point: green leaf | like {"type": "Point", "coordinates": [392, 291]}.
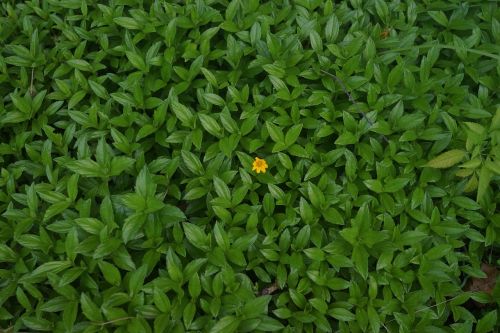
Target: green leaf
{"type": "Point", "coordinates": [76, 98]}
{"type": "Point", "coordinates": [86, 168]}
{"type": "Point", "coordinates": [293, 134]}
{"type": "Point", "coordinates": [276, 192]}
{"type": "Point", "coordinates": [274, 70]}
{"type": "Point", "coordinates": [120, 164]}
{"type": "Point", "coordinates": [374, 185]}
{"type": "Point", "coordinates": [298, 151]}
{"type": "Point", "coordinates": [192, 162]}
{"type": "Point", "coordinates": [221, 188]}
{"type": "Point", "coordinates": [144, 184]}
{"type": "Point", "coordinates": [209, 76]}
{"type": "Point", "coordinates": [275, 132]}
{"type": "Point", "coordinates": [255, 307]}
{"type": "Point", "coordinates": [195, 193]}
{"type": "Point", "coordinates": [214, 99]}
{"type": "Point", "coordinates": [438, 251]}
{"type": "Point", "coordinates": [316, 42]}
{"type": "Point", "coordinates": [23, 299]}
{"type": "Point", "coordinates": [210, 125]}
{"type": "Point", "coordinates": [346, 138]}
{"type": "Point", "coordinates": [315, 195]}
{"type": "Point", "coordinates": [89, 309]}
{"type": "Point", "coordinates": [487, 323]}
{"type": "Point", "coordinates": [182, 113]}
{"type": "Point", "coordinates": [188, 314]}
{"type": "Point", "coordinates": [81, 65]}
{"type": "Point", "coordinates": [227, 324]}
{"type": "Point", "coordinates": [196, 236]}
{"type": "Point", "coordinates": [394, 185]}
{"type": "Point", "coordinates": [194, 286]}
{"type": "Point", "coordinates": [305, 210]}
{"type": "Point", "coordinates": [172, 214]}
{"type": "Point", "coordinates": [106, 248]}
{"type": "Point", "coordinates": [137, 279]}
{"type": "Point", "coordinates": [89, 224]}
{"type": "Point", "coordinates": [439, 17]}
{"type": "Point", "coordinates": [332, 215]}
{"type": "Point", "coordinates": [69, 314]}
{"type": "Point", "coordinates": [7, 254]}
{"type": "Point", "coordinates": [136, 60]}
{"type": "Point", "coordinates": [285, 161]}
{"type": "Point", "coordinates": [466, 203]}
{"type": "Point", "coordinates": [382, 10]}
{"type": "Point", "coordinates": [98, 89]}
{"type": "Point", "coordinates": [341, 314]}
{"type": "Point", "coordinates": [485, 176]}
{"type": "Point", "coordinates": [395, 75]}
{"type": "Point", "coordinates": [19, 61]}
{"type": "Point", "coordinates": [37, 324]}
{"type": "Point", "coordinates": [56, 209]}
{"type": "Point", "coordinates": [360, 260]}
{"type": "Point", "coordinates": [127, 22]}
{"type": "Point", "coordinates": [110, 272]}
{"type": "Point", "coordinates": [161, 301]}
{"type": "Point", "coordinates": [123, 98]}
{"type": "Point", "coordinates": [221, 237]}
{"type": "Point", "coordinates": [56, 304]}
{"type": "Point", "coordinates": [174, 271]}
{"type": "Point", "coordinates": [302, 237]}
{"type": "Point", "coordinates": [132, 226]}
{"type": "Point", "coordinates": [21, 103]}
{"type": "Point", "coordinates": [268, 324]}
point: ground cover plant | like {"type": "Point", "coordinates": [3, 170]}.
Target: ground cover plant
{"type": "Point", "coordinates": [249, 166]}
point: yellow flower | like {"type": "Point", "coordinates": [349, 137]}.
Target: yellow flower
{"type": "Point", "coordinates": [259, 165]}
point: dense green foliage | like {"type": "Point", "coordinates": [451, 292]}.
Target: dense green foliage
{"type": "Point", "coordinates": [128, 131]}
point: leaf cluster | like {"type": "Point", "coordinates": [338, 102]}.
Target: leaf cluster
{"type": "Point", "coordinates": [127, 134]}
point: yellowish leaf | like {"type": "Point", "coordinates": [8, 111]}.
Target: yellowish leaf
{"type": "Point", "coordinates": [446, 159]}
{"type": "Point", "coordinates": [471, 184]}
{"type": "Point", "coordinates": [464, 173]}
